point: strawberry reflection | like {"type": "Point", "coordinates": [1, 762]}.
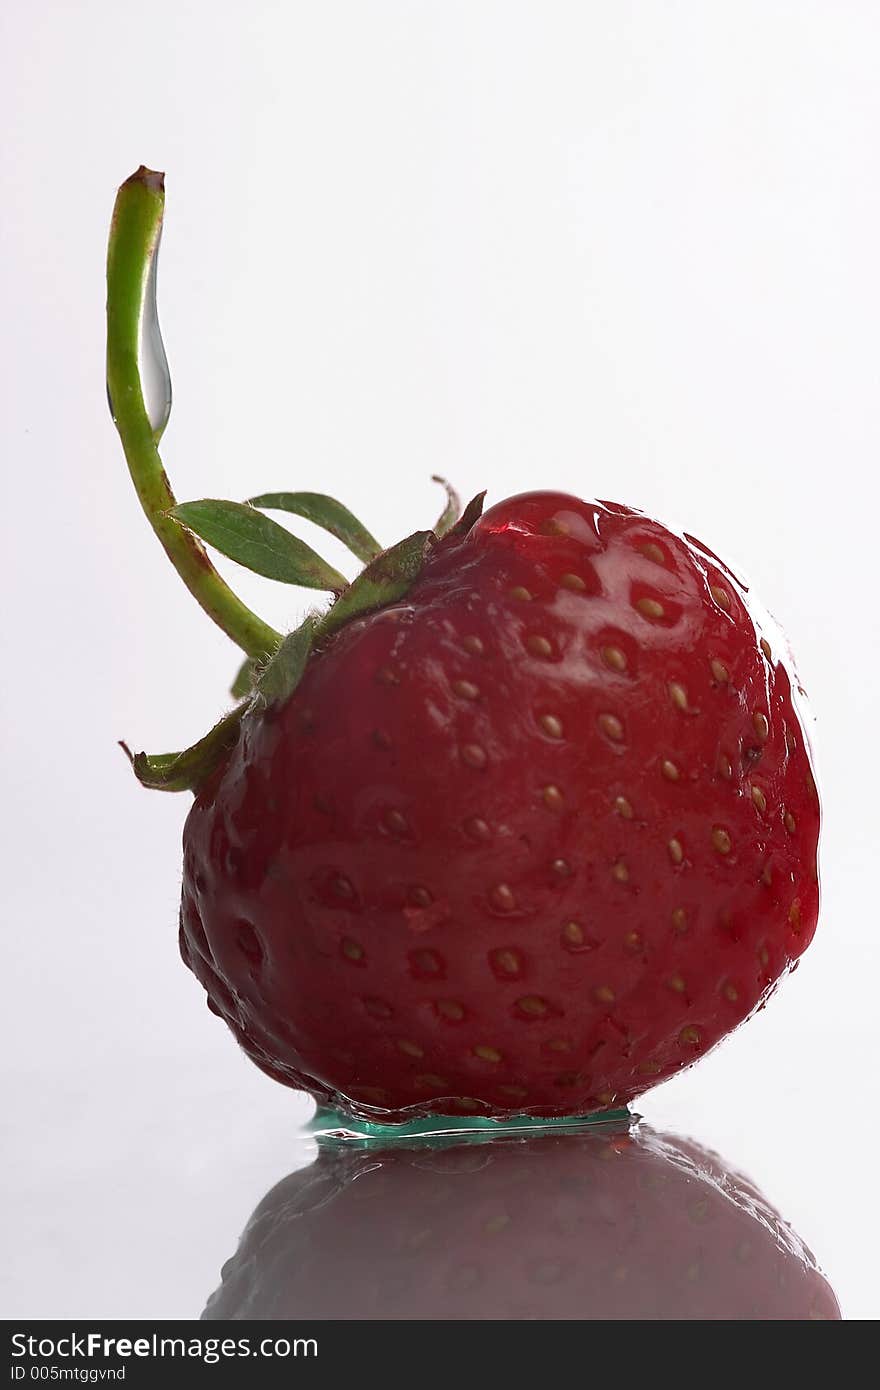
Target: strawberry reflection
{"type": "Point", "coordinates": [616, 1223]}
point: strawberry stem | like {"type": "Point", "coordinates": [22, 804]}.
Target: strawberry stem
{"type": "Point", "coordinates": [131, 262]}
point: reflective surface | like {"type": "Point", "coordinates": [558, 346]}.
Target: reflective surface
{"type": "Point", "coordinates": [613, 1222]}
{"type": "Point", "coordinates": [129, 1190]}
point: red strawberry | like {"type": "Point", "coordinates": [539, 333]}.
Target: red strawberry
{"type": "Point", "coordinates": [587, 1226]}
{"type": "Point", "coordinates": [531, 841]}
{"type": "Point", "coordinates": [525, 823]}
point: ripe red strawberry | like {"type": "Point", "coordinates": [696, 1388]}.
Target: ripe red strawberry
{"type": "Point", "coordinates": [586, 1226]}
{"type": "Point", "coordinates": [524, 823]}
{"type": "Point", "coordinates": [532, 840]}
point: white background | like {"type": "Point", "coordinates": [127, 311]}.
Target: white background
{"type": "Point", "coordinates": [625, 249]}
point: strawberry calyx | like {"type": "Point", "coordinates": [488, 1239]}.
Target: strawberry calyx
{"type": "Point", "coordinates": [274, 664]}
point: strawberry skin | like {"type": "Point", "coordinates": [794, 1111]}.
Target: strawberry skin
{"type": "Point", "coordinates": [583, 1226]}
{"type": "Point", "coordinates": [531, 840]}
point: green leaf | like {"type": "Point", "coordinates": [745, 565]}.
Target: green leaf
{"type": "Point", "coordinates": [245, 679]}
{"type": "Point", "coordinates": [284, 672]}
{"type": "Point", "coordinates": [471, 514]}
{"type": "Point", "coordinates": [325, 512]}
{"type": "Point", "coordinates": [385, 579]}
{"type": "Point", "coordinates": [258, 543]}
{"type": "Point", "coordinates": [186, 771]}
{"type": "Point", "coordinates": [451, 512]}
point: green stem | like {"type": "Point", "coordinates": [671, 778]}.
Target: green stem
{"type": "Point", "coordinates": [134, 245]}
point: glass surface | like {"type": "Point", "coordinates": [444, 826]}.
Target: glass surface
{"type": "Point", "coordinates": [133, 1187]}
{"type": "Point", "coordinates": [609, 1221]}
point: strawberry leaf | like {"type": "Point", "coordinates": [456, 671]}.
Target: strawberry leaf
{"type": "Point", "coordinates": [186, 771]}
{"type": "Point", "coordinates": [245, 679]}
{"type": "Point", "coordinates": [327, 513]}
{"type": "Point", "coordinates": [471, 514]}
{"type": "Point", "coordinates": [284, 672]}
{"type": "Point", "coordinates": [385, 579]}
{"type": "Point", "coordinates": [451, 512]}
{"type": "Point", "coordinates": [258, 543]}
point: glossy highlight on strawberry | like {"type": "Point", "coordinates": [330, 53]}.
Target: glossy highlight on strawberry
{"type": "Point", "coordinates": [522, 823]}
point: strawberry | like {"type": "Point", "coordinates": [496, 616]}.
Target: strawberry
{"type": "Point", "coordinates": [608, 1225]}
{"type": "Point", "coordinates": [524, 823]}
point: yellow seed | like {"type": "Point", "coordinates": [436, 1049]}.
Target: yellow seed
{"type": "Point", "coordinates": [677, 984]}
{"type": "Point", "coordinates": [760, 725]}
{"type": "Point", "coordinates": [496, 1223]}
{"type": "Point", "coordinates": [378, 1008]}
{"type": "Point", "coordinates": [763, 955]}
{"type": "Point", "coordinates": [428, 962]}
{"type": "Point", "coordinates": [532, 1004]}
{"type": "Point", "coordinates": [652, 551]}
{"type": "Point", "coordinates": [650, 608]}
{"type": "Point", "coordinates": [539, 646]}
{"type": "Point", "coordinates": [604, 994]}
{"type": "Point", "coordinates": [765, 648]}
{"type": "Point", "coordinates": [724, 766]}
{"type": "Point", "coordinates": [473, 645]}
{"type": "Point", "coordinates": [554, 527]}
{"type": "Point", "coordinates": [466, 690]}
{"type": "Point", "coordinates": [572, 581]}
{"type": "Point", "coordinates": [611, 727]}
{"type": "Point", "coordinates": [790, 823]}
{"type": "Point", "coordinates": [558, 1045]}
{"type": "Point", "coordinates": [669, 770]}
{"type": "Point", "coordinates": [794, 915]}
{"type": "Point", "coordinates": [352, 950]}
{"type": "Point", "coordinates": [620, 872]}
{"type": "Point", "coordinates": [767, 875]}
{"type": "Point", "coordinates": [551, 725]}
{"type": "Point", "coordinates": [474, 755]}
{"type": "Point", "coordinates": [719, 670]}
{"type": "Point", "coordinates": [553, 798]}
{"type": "Point", "coordinates": [573, 934]}
{"type": "Point", "coordinates": [730, 992]}
{"type": "Point", "coordinates": [513, 1092]}
{"type": "Point", "coordinates": [721, 840]}
{"type": "Point", "coordinates": [518, 591]}
{"type": "Point", "coordinates": [385, 676]}
{"type": "Point", "coordinates": [502, 897]}
{"type": "Point", "coordinates": [561, 868]}
{"type": "Point", "coordinates": [396, 822]}
{"type": "Point", "coordinates": [451, 1009]}
{"type": "Point", "coordinates": [690, 1036]}
{"type": "Point", "coordinates": [721, 597]}
{"type": "Point", "coordinates": [648, 1068]}
{"type": "Point", "coordinates": [410, 1049]}
{"type": "Point", "coordinates": [678, 695]}
{"type": "Point", "coordinates": [487, 1054]}
{"type": "Point", "coordinates": [506, 961]}
{"type": "Point", "coordinates": [615, 658]}
{"type": "Point", "coordinates": [476, 828]}
{"type": "Point", "coordinates": [632, 941]}
{"type": "Point", "coordinates": [679, 920]}
{"type": "Point", "coordinates": [676, 853]}
{"type": "Point", "coordinates": [759, 798]}
{"type": "Point", "coordinates": [623, 807]}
